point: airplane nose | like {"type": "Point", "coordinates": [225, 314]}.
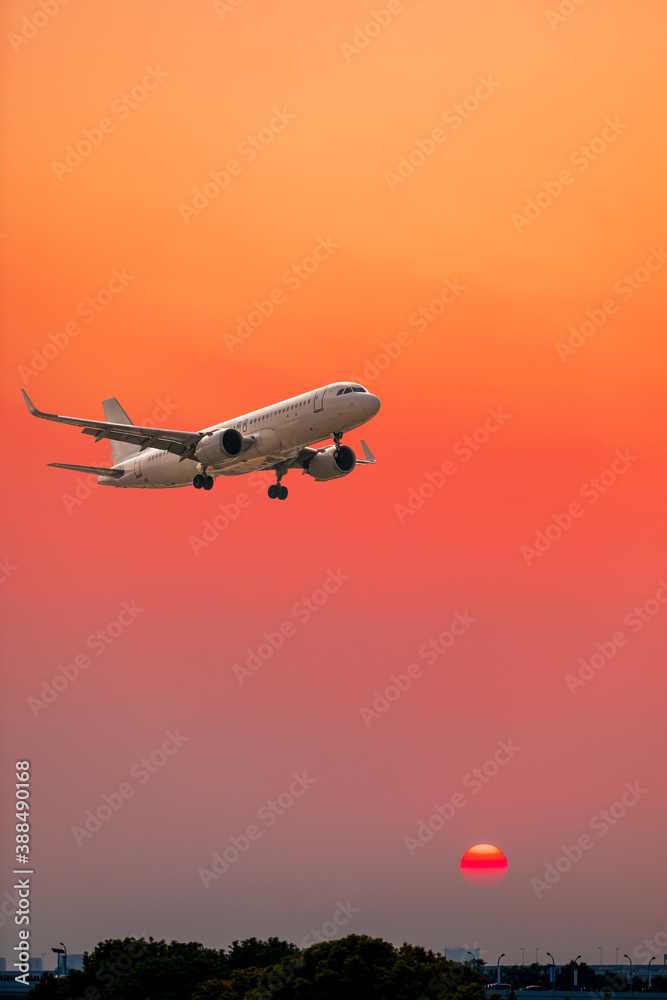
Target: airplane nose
{"type": "Point", "coordinates": [374, 403]}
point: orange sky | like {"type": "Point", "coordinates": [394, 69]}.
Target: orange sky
{"type": "Point", "coordinates": [541, 202]}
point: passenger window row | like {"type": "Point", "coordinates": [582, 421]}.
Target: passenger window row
{"type": "Point", "coordinates": [284, 409]}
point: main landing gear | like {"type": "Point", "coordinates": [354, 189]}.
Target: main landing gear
{"type": "Point", "coordinates": [276, 491]}
{"type": "Point", "coordinates": [203, 482]}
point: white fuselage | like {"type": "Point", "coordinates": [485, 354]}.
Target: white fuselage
{"type": "Point", "coordinates": [271, 435]}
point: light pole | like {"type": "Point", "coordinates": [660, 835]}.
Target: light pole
{"type": "Point", "coordinates": [523, 958]}
{"type": "Point", "coordinates": [576, 970]}
{"type": "Point", "coordinates": [552, 971]}
{"type": "Point", "coordinates": [498, 968]}
{"type": "Point", "coordinates": [630, 961]}
{"type": "Point", "coordinates": [58, 952]}
{"type": "Point", "coordinates": [474, 959]}
{"type": "Point", "coordinates": [649, 972]}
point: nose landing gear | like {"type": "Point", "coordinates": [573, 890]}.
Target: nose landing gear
{"type": "Point", "coordinates": [337, 435]}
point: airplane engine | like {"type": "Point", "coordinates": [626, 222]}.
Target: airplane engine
{"type": "Point", "coordinates": [217, 447]}
{"type": "Point", "coordinates": [325, 465]}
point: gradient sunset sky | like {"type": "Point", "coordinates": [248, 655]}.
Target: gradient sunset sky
{"type": "Point", "coordinates": [497, 159]}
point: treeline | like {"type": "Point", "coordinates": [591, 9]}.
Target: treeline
{"type": "Point", "coordinates": [356, 966]}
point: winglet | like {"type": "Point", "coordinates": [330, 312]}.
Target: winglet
{"type": "Point", "coordinates": [368, 455]}
{"type": "Point", "coordinates": [29, 403]}
{"type": "Point", "coordinates": [368, 458]}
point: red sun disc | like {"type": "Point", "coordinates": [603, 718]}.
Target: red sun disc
{"type": "Point", "coordinates": [484, 864]}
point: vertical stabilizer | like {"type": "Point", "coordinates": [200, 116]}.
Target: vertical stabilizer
{"type": "Point", "coordinates": [115, 414]}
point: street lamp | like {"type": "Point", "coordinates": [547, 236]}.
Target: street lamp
{"type": "Point", "coordinates": [649, 972]}
{"type": "Point", "coordinates": [553, 971]}
{"type": "Point", "coordinates": [576, 970]}
{"type": "Point", "coordinates": [630, 961]}
{"type": "Point", "coordinates": [498, 968]}
{"type": "Point", "coordinates": [474, 959]}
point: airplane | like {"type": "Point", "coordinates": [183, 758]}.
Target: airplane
{"type": "Point", "coordinates": [275, 438]}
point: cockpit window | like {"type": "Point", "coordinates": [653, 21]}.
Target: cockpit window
{"type": "Point", "coordinates": [358, 388]}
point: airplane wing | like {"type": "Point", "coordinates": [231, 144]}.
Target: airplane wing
{"type": "Point", "coordinates": [179, 442]}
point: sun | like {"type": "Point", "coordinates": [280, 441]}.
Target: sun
{"type": "Point", "coordinates": [484, 864]}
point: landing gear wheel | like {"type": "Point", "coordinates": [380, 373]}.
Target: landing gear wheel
{"type": "Point", "coordinates": [276, 491]}
{"type": "Point", "coordinates": [198, 482]}
{"type": "Point", "coordinates": [208, 482]}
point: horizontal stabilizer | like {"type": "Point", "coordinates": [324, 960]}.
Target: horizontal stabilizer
{"type": "Point", "coordinates": [114, 473]}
